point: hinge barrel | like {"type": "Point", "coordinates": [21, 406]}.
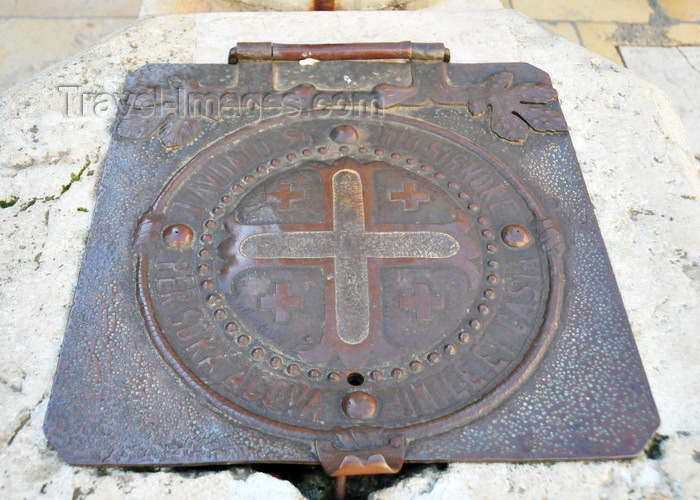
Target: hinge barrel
{"type": "Point", "coordinates": [267, 51]}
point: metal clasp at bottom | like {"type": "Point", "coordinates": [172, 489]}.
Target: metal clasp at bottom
{"type": "Point", "coordinates": [359, 454]}
{"type": "Point", "coordinates": [338, 462]}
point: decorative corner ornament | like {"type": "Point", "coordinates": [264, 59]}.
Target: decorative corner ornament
{"type": "Point", "coordinates": [512, 108]}
{"type": "Point", "coordinates": [324, 267]}
{"type": "Point", "coordinates": [175, 111]}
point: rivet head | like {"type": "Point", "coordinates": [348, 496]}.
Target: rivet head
{"type": "Point", "coordinates": [396, 442]}
{"type": "Point", "coordinates": [359, 405]}
{"type": "Point", "coordinates": [344, 133]}
{"type": "Point", "coordinates": [516, 236]}
{"type": "Point", "coordinates": [178, 235]}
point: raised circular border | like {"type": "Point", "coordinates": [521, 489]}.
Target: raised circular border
{"type": "Point", "coordinates": [415, 365]}
{"type": "Point", "coordinates": [552, 246]}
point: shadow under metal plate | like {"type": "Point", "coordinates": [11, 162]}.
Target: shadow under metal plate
{"type": "Point", "coordinates": [367, 257]}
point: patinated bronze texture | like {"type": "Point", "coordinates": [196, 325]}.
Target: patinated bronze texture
{"type": "Point", "coordinates": [347, 262]}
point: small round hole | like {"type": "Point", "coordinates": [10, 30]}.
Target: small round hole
{"type": "Point", "coordinates": [356, 379]}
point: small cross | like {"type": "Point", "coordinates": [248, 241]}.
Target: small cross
{"type": "Point", "coordinates": [409, 196]}
{"type": "Point", "coordinates": [281, 302]}
{"type": "Point", "coordinates": [285, 196]}
{"type": "Point", "coordinates": [422, 301]}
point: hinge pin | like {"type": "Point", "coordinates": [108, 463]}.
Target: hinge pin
{"type": "Point", "coordinates": [267, 51]}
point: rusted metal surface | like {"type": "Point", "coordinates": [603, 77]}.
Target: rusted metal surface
{"type": "Point", "coordinates": [263, 51]}
{"type": "Point", "coordinates": [324, 4]}
{"type": "Point", "coordinates": [354, 263]}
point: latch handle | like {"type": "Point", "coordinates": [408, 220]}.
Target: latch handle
{"type": "Point", "coordinates": [267, 51]}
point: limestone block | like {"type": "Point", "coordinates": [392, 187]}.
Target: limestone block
{"type": "Point", "coordinates": [635, 158]}
{"type": "Point", "coordinates": [674, 69]}
{"type": "Point", "coordinates": [162, 7]}
{"type": "Point", "coordinates": [24, 49]}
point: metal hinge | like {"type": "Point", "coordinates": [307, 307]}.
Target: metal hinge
{"type": "Point", "coordinates": [267, 51]}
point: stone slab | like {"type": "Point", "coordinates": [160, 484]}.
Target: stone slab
{"type": "Point", "coordinates": [71, 8]}
{"type": "Point", "coordinates": [684, 10]}
{"type": "Point", "coordinates": [632, 148]}
{"type": "Point", "coordinates": [565, 29]}
{"type": "Point", "coordinates": [598, 38]}
{"type": "Point", "coordinates": [684, 34]}
{"type": "Point", "coordinates": [677, 71]}
{"type": "Point", "coordinates": [163, 7]}
{"type": "Point", "coordinates": [25, 49]}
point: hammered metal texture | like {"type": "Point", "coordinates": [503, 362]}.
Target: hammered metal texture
{"type": "Point", "coordinates": [271, 277]}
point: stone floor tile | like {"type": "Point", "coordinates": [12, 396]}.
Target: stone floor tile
{"type": "Point", "coordinates": [628, 11]}
{"type": "Point", "coordinates": [677, 71]}
{"type": "Point", "coordinates": [25, 48]}
{"type": "Point", "coordinates": [567, 30]}
{"type": "Point", "coordinates": [685, 33]}
{"type": "Point", "coordinates": [597, 37]}
{"type": "Point", "coordinates": [683, 10]}
{"type": "Point", "coordinates": [70, 8]}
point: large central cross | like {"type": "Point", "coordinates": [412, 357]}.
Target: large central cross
{"type": "Point", "coordinates": [350, 245]}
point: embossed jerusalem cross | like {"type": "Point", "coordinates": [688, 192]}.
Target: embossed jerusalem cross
{"type": "Point", "coordinates": [350, 245]}
{"type": "Point", "coordinates": [419, 213]}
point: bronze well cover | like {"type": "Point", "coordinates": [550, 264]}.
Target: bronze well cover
{"type": "Point", "coordinates": [305, 263]}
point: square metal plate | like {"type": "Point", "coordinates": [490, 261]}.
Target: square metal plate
{"type": "Point", "coordinates": [343, 261]}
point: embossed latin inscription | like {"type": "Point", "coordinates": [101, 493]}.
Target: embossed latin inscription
{"type": "Point", "coordinates": [405, 281]}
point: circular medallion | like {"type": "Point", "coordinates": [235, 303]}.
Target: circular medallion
{"type": "Point", "coordinates": [330, 272]}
